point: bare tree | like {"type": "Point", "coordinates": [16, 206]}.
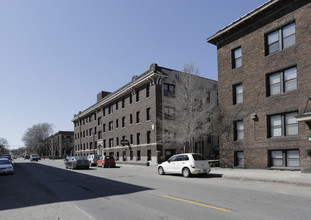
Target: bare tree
{"type": "Point", "coordinates": [4, 146]}
{"type": "Point", "coordinates": [192, 112]}
{"type": "Point", "coordinates": [36, 138]}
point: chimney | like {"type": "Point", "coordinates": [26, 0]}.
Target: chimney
{"type": "Point", "coordinates": [102, 95]}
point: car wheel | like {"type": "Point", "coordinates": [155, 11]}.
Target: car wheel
{"type": "Point", "coordinates": [186, 172]}
{"type": "Point", "coordinates": [161, 170]}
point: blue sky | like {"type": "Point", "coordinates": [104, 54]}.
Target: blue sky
{"type": "Point", "coordinates": [56, 55]}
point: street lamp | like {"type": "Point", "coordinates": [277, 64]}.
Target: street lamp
{"type": "Point", "coordinates": [94, 142]}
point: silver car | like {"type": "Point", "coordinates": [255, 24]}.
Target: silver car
{"type": "Point", "coordinates": [6, 166]}
{"type": "Point", "coordinates": [185, 164]}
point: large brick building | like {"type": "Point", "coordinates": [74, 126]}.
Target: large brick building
{"type": "Point", "coordinates": [141, 113]}
{"type": "Point", "coordinates": [264, 69]}
{"type": "Point", "coordinates": [61, 144]}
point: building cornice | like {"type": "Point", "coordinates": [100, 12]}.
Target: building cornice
{"type": "Point", "coordinates": [152, 76]}
{"type": "Point", "coordinates": [214, 39]}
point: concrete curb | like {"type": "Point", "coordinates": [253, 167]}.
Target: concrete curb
{"type": "Point", "coordinates": [275, 176]}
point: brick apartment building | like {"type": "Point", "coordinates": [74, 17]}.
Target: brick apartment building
{"type": "Point", "coordinates": [138, 113]}
{"type": "Point", "coordinates": [264, 69]}
{"type": "Point", "coordinates": [62, 144]}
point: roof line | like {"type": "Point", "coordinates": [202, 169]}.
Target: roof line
{"type": "Point", "coordinates": [242, 19]}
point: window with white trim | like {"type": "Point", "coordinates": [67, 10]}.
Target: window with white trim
{"type": "Point", "coordinates": [281, 39]}
{"type": "Point", "coordinates": [283, 125]}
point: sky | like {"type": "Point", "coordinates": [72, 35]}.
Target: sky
{"type": "Point", "coordinates": [57, 55]}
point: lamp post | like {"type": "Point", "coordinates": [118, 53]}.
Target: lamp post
{"type": "Point", "coordinates": [94, 142]}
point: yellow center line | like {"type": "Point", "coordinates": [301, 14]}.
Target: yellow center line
{"type": "Point", "coordinates": [197, 203]}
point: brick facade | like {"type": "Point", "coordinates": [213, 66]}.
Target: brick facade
{"type": "Point", "coordinates": [62, 144]}
{"type": "Point", "coordinates": [125, 105]}
{"type": "Point", "coordinates": [250, 33]}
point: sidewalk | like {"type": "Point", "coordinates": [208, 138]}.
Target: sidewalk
{"type": "Point", "coordinates": [277, 176]}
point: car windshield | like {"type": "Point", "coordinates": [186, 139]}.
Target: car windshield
{"type": "Point", "coordinates": [198, 157]}
{"type": "Point", "coordinates": [108, 157]}
{"type": "Point", "coordinates": [5, 156]}
{"type": "Point", "coordinates": [4, 162]}
{"type": "Point", "coordinates": [80, 158]}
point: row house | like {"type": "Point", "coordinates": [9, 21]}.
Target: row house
{"type": "Point", "coordinates": [264, 69]}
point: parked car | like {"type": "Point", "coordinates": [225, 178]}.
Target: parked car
{"type": "Point", "coordinates": [93, 159]}
{"type": "Point", "coordinates": [27, 157]}
{"type": "Point", "coordinates": [6, 166]}
{"type": "Point", "coordinates": [7, 156]}
{"type": "Point", "coordinates": [34, 157]}
{"type": "Point", "coordinates": [77, 162]}
{"type": "Point", "coordinates": [185, 164]}
{"type": "Point", "coordinates": [106, 161]}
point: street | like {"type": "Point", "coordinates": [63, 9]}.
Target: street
{"type": "Point", "coordinates": [46, 190]}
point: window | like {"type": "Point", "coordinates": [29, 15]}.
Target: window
{"type": "Point", "coordinates": [104, 143]}
{"type": "Point", "coordinates": [237, 94]}
{"type": "Point", "coordinates": [148, 91]}
{"type": "Point", "coordinates": [123, 102]}
{"type": "Point", "coordinates": [117, 105]}
{"type": "Point", "coordinates": [131, 139]}
{"type": "Point", "coordinates": [110, 110]}
{"type": "Point", "coordinates": [281, 39]}
{"type": "Point", "coordinates": [100, 135]}
{"type": "Point", "coordinates": [284, 158]}
{"type": "Point", "coordinates": [138, 138]}
{"type": "Point", "coordinates": [137, 95]}
{"type": "Point", "coordinates": [148, 114]}
{"type": "Point", "coordinates": [282, 82]}
{"type": "Point", "coordinates": [208, 97]}
{"type": "Point", "coordinates": [131, 100]}
{"type": "Point", "coordinates": [117, 123]}
{"type": "Point", "coordinates": [238, 130]}
{"type": "Point", "coordinates": [138, 155]}
{"type": "Point", "coordinates": [239, 159]}
{"type": "Point", "coordinates": [117, 141]}
{"type": "Point", "coordinates": [104, 127]}
{"type": "Point", "coordinates": [123, 122]}
{"type": "Point", "coordinates": [99, 120]}
{"type": "Point", "coordinates": [148, 155]}
{"type": "Point", "coordinates": [91, 132]}
{"type": "Point", "coordinates": [131, 119]}
{"type": "Point", "coordinates": [236, 58]}
{"type": "Point", "coordinates": [110, 142]}
{"type": "Point", "coordinates": [283, 125]}
{"type": "Point", "coordinates": [148, 137]}
{"type": "Point", "coordinates": [111, 126]}
{"type": "Point", "coordinates": [169, 90]}
{"type": "Point", "coordinates": [137, 117]}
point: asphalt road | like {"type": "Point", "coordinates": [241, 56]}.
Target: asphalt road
{"type": "Point", "coordinates": [46, 190]}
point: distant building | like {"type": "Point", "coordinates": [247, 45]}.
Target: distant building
{"type": "Point", "coordinates": [138, 114]}
{"type": "Point", "coordinates": [62, 143]}
{"type": "Point", "coordinates": [264, 69]}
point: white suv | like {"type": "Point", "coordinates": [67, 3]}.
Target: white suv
{"type": "Point", "coordinates": [93, 159]}
{"type": "Point", "coordinates": [185, 164]}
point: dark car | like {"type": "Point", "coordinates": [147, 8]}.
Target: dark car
{"type": "Point", "coordinates": [34, 158]}
{"type": "Point", "coordinates": [77, 162]}
{"type": "Point", "coordinates": [106, 161]}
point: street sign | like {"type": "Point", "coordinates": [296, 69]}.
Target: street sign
{"type": "Point", "coordinates": [125, 142]}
